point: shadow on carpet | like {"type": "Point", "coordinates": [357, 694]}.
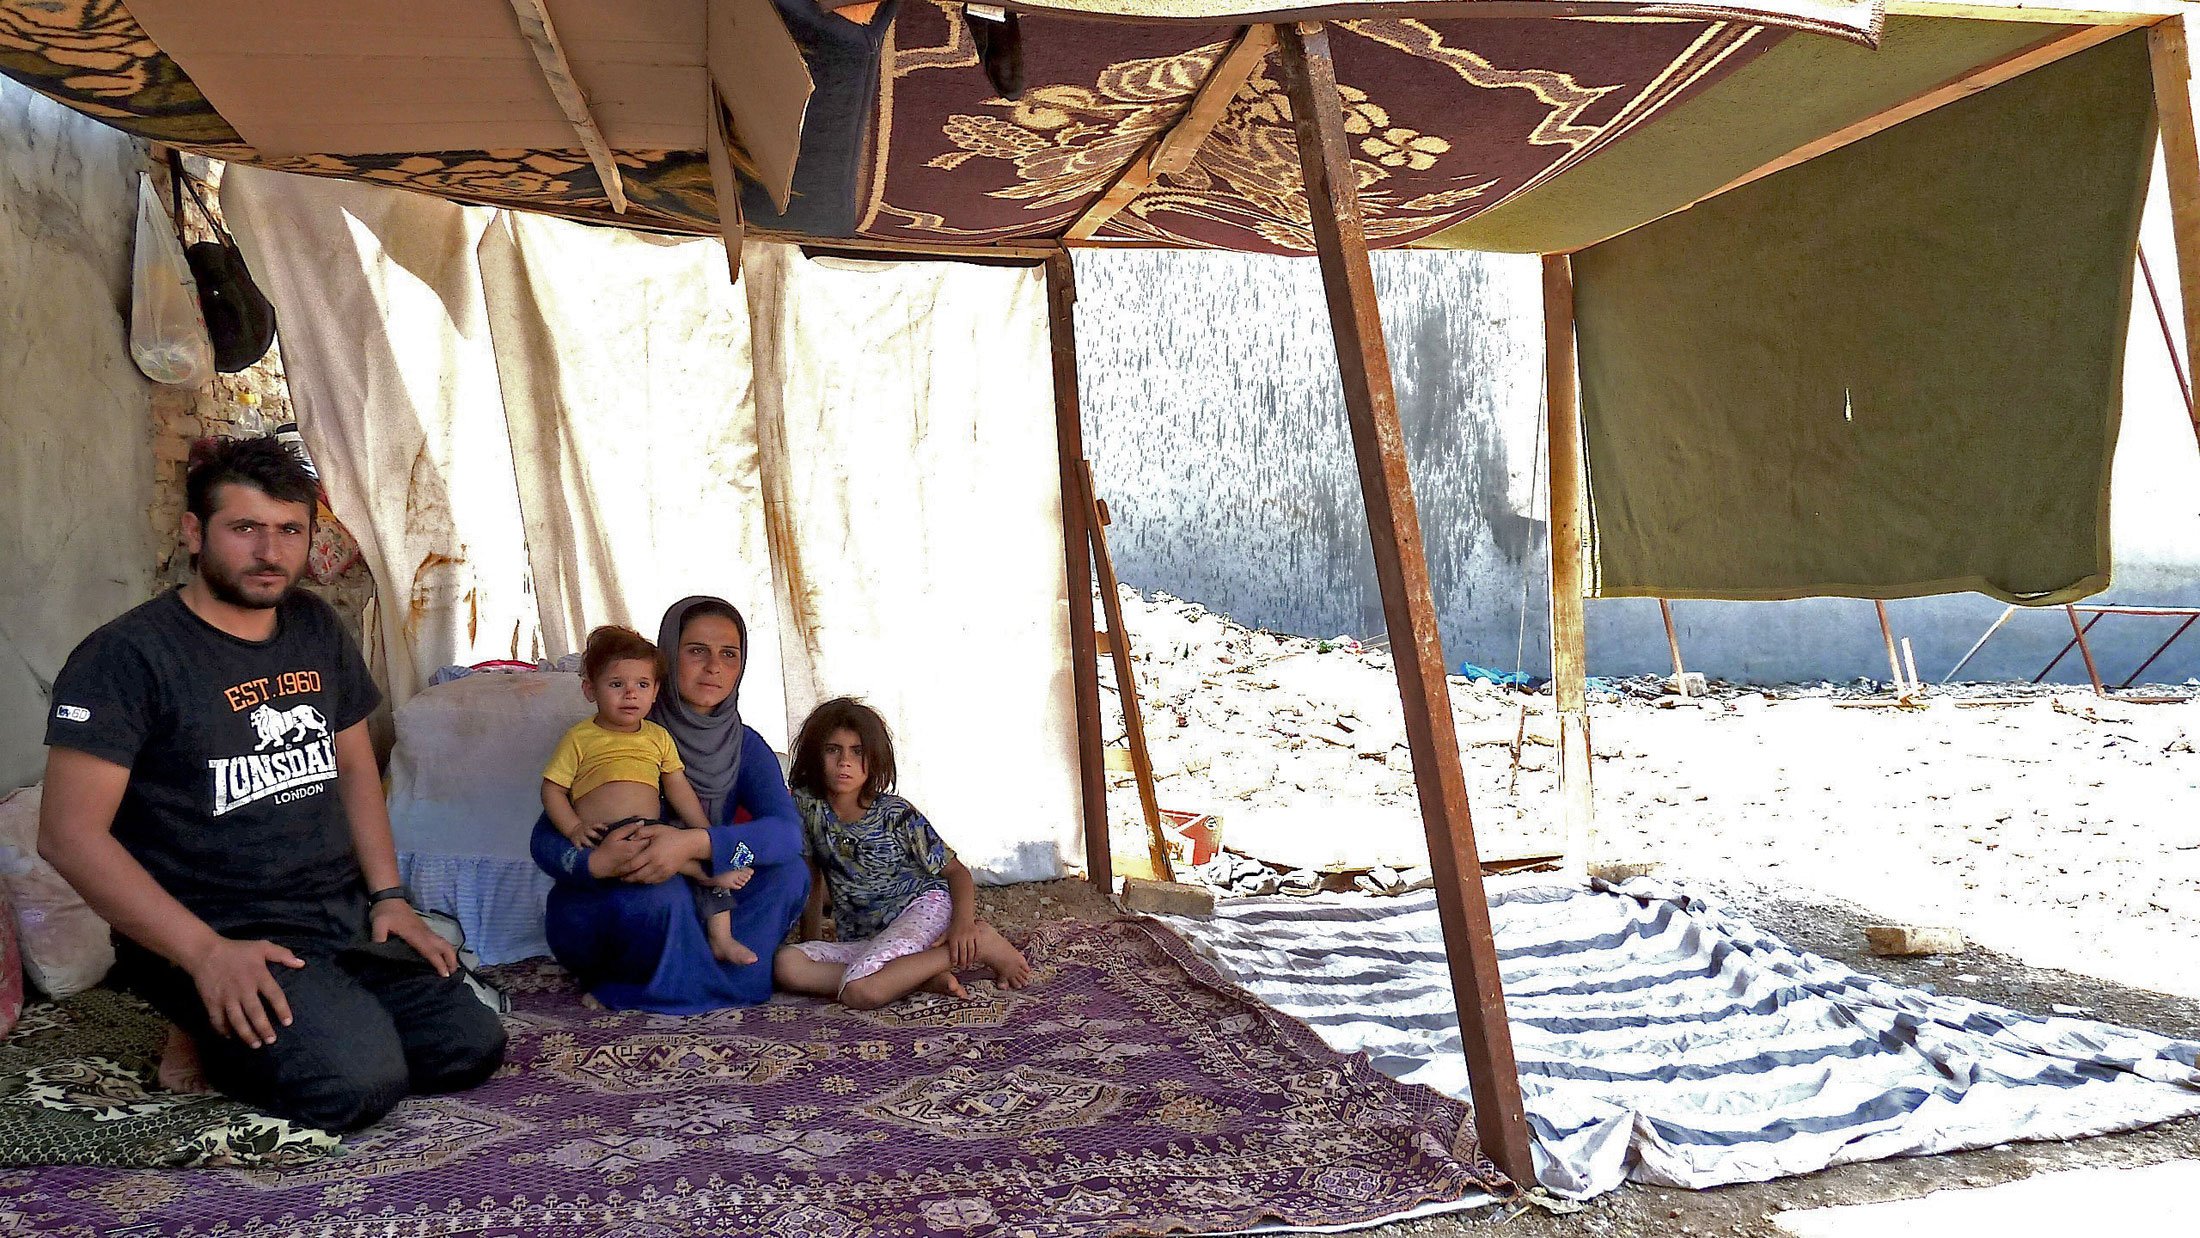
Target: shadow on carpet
{"type": "Point", "coordinates": [1129, 1090]}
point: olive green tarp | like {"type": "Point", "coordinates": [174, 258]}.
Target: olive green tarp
{"type": "Point", "coordinates": [1892, 370]}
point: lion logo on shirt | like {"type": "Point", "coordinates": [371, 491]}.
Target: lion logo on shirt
{"type": "Point", "coordinates": [275, 726]}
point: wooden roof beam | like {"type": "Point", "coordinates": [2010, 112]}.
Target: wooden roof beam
{"type": "Point", "coordinates": [2082, 13]}
{"type": "Point", "coordinates": [542, 39]}
{"type": "Point", "coordinates": [1173, 150]}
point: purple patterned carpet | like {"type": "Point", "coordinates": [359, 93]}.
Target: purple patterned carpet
{"type": "Point", "coordinates": [1130, 1090]}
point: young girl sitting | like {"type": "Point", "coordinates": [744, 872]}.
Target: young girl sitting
{"type": "Point", "coordinates": [904, 908]}
{"type": "Point", "coordinates": [607, 772]}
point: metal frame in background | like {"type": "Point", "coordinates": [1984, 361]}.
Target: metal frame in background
{"type": "Point", "coordinates": [2190, 615]}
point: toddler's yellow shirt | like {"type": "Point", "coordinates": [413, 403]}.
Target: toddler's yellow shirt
{"type": "Point", "coordinates": [590, 756]}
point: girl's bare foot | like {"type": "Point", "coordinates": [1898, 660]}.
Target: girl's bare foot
{"type": "Point", "coordinates": [945, 983]}
{"type": "Point", "coordinates": [724, 946]}
{"type": "Point", "coordinates": [1010, 970]}
{"type": "Point", "coordinates": [179, 1069]}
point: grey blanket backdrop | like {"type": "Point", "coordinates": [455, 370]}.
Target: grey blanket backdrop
{"type": "Point", "coordinates": [1662, 1040]}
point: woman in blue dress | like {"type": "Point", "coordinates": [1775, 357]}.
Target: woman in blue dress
{"type": "Point", "coordinates": [620, 918]}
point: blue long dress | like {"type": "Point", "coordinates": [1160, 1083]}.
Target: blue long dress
{"type": "Point", "coordinates": [641, 947]}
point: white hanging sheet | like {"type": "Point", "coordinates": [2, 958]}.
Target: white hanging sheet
{"type": "Point", "coordinates": [535, 427]}
{"type": "Point", "coordinates": [386, 342]}
{"type": "Point", "coordinates": [906, 414]}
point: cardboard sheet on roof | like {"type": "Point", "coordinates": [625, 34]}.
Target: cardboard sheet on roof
{"type": "Point", "coordinates": [366, 77]}
{"type": "Point", "coordinates": [352, 77]}
{"type": "Point", "coordinates": [765, 86]}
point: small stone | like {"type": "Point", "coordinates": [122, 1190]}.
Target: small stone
{"type": "Point", "coordinates": [1167, 898]}
{"type": "Point", "coordinates": [1898, 939]}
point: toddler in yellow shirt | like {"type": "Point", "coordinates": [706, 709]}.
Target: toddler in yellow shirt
{"type": "Point", "coordinates": [608, 772]}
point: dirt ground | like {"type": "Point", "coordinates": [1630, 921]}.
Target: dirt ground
{"type": "Point", "coordinates": [2059, 831]}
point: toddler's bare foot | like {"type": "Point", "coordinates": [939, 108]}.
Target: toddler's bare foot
{"type": "Point", "coordinates": [945, 983]}
{"type": "Point", "coordinates": [731, 879]}
{"type": "Point", "coordinates": [1010, 970]}
{"type": "Point", "coordinates": [179, 1064]}
{"type": "Point", "coordinates": [724, 946]}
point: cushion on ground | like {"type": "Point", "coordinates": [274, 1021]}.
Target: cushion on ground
{"type": "Point", "coordinates": [66, 946]}
{"type": "Point", "coordinates": [11, 967]}
{"type": "Point", "coordinates": [465, 789]}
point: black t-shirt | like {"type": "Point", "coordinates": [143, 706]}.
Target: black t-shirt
{"type": "Point", "coordinates": [230, 743]}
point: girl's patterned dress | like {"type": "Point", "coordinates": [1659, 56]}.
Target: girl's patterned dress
{"type": "Point", "coordinates": [885, 873]}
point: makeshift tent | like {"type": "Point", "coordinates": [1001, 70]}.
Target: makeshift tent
{"type": "Point", "coordinates": [1549, 127]}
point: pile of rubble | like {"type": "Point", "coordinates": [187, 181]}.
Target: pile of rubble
{"type": "Point", "coordinates": [1299, 746]}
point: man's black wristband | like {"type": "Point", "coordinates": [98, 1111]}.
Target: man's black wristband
{"type": "Point", "coordinates": [397, 892]}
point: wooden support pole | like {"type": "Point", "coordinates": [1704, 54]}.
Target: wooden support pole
{"type": "Point", "coordinates": [1894, 659]}
{"type": "Point", "coordinates": [542, 39]}
{"type": "Point", "coordinates": [1672, 638]}
{"type": "Point", "coordinates": [1569, 642]}
{"type": "Point", "coordinates": [2092, 672]}
{"type": "Point", "coordinates": [1409, 605]}
{"type": "Point", "coordinates": [1126, 680]}
{"type": "Point", "coordinates": [1084, 665]}
{"type": "Point", "coordinates": [2172, 61]}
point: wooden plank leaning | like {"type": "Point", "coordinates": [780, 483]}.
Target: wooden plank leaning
{"type": "Point", "coordinates": [1084, 668]}
{"type": "Point", "coordinates": [1126, 681]}
{"type": "Point", "coordinates": [1409, 608]}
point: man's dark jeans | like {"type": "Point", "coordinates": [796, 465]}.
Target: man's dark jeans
{"type": "Point", "coordinates": [370, 1024]}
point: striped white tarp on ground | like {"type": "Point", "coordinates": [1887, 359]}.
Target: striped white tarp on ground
{"type": "Point", "coordinates": [1662, 1040]}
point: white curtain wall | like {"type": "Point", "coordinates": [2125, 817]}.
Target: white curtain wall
{"type": "Point", "coordinates": [534, 427]}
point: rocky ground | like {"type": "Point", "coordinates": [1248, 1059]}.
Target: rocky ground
{"type": "Point", "coordinates": [2059, 831]}
{"type": "Point", "coordinates": [2052, 824]}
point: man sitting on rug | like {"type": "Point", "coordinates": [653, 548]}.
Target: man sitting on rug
{"type": "Point", "coordinates": [211, 790]}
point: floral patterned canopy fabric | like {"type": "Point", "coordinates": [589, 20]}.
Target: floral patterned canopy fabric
{"type": "Point", "coordinates": [1449, 117]}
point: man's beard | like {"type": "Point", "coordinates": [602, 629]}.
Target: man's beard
{"type": "Point", "coordinates": [230, 589]}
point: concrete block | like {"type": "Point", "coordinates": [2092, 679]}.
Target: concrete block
{"type": "Point", "coordinates": [1167, 898]}
{"type": "Point", "coordinates": [1892, 939]}
{"type": "Point", "coordinates": [1616, 871]}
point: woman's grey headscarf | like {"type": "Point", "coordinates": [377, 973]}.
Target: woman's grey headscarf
{"type": "Point", "coordinates": [710, 743]}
